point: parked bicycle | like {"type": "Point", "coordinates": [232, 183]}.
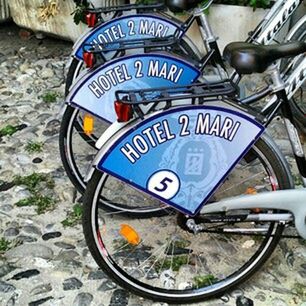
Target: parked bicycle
{"type": "Point", "coordinates": [76, 154]}
{"type": "Point", "coordinates": [192, 150]}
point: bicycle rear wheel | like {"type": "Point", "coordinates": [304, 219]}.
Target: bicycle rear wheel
{"type": "Point", "coordinates": [77, 155]}
{"type": "Point", "coordinates": [159, 259]}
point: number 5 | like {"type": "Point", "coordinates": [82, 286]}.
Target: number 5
{"type": "Point", "coordinates": [164, 185]}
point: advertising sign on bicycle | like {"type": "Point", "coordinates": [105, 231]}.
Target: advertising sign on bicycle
{"type": "Point", "coordinates": [126, 28]}
{"type": "Point", "coordinates": [181, 155]}
{"type": "Point", "coordinates": [96, 92]}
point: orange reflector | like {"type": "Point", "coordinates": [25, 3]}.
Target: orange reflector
{"type": "Point", "coordinates": [251, 190]}
{"type": "Point", "coordinates": [88, 124]}
{"type": "Point", "coordinates": [129, 234]}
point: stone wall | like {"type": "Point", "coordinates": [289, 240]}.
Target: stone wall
{"type": "Point", "coordinates": [25, 13]}
{"type": "Point", "coordinates": [230, 23]}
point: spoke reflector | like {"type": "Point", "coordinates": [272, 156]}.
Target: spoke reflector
{"type": "Point", "coordinates": [88, 124]}
{"type": "Point", "coordinates": [251, 190]}
{"type": "Point", "coordinates": [129, 234]}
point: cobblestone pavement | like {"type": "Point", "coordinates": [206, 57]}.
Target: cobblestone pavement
{"type": "Point", "coordinates": [45, 261]}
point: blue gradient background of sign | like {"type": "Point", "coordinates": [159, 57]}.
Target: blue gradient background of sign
{"type": "Point", "coordinates": [216, 156]}
{"type": "Point", "coordinates": [103, 107]}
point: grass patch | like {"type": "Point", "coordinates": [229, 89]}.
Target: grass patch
{"type": "Point", "coordinates": [300, 290]}
{"type": "Point", "coordinates": [74, 217]}
{"type": "Point", "coordinates": [32, 181]}
{"type": "Point", "coordinates": [4, 245]}
{"type": "Point", "coordinates": [36, 183]}
{"type": "Point", "coordinates": [181, 244]}
{"type": "Point", "coordinates": [34, 147]}
{"type": "Point", "coordinates": [42, 203]}
{"type": "Point", "coordinates": [297, 180]}
{"type": "Point", "coordinates": [49, 97]}
{"type": "Point", "coordinates": [174, 263]}
{"type": "Point", "coordinates": [202, 281]}
{"type": "Point", "coordinates": [8, 130]}
{"type": "Point", "coordinates": [258, 238]}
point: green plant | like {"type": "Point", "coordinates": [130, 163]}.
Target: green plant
{"type": "Point", "coordinates": [297, 179]}
{"type": "Point", "coordinates": [74, 217]}
{"type": "Point", "coordinates": [50, 97]}
{"type": "Point", "coordinates": [8, 130]}
{"type": "Point", "coordinates": [33, 180]}
{"type": "Point", "coordinates": [4, 245]}
{"type": "Point", "coordinates": [174, 263]}
{"type": "Point", "coordinates": [35, 183]}
{"type": "Point", "coordinates": [300, 290]}
{"type": "Point", "coordinates": [79, 12]}
{"type": "Point", "coordinates": [34, 147]}
{"type": "Point", "coordinates": [42, 203]}
{"type": "Point", "coordinates": [253, 3]}
{"type": "Point", "coordinates": [204, 280]}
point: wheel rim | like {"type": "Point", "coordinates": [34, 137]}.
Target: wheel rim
{"type": "Point", "coordinates": [108, 250]}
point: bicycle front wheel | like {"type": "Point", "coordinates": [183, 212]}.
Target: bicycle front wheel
{"type": "Point", "coordinates": [160, 259]}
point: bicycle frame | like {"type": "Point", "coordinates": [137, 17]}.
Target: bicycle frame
{"type": "Point", "coordinates": [286, 200]}
{"type": "Point", "coordinates": [280, 93]}
{"type": "Point", "coordinates": [122, 133]}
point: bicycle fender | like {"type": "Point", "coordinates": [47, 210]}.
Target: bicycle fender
{"type": "Point", "coordinates": [287, 200]}
{"type": "Point", "coordinates": [95, 91]}
{"type": "Point", "coordinates": [125, 28]}
{"type": "Point", "coordinates": [181, 155]}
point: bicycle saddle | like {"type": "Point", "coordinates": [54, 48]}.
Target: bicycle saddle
{"type": "Point", "coordinates": [178, 6]}
{"type": "Point", "coordinates": [248, 58]}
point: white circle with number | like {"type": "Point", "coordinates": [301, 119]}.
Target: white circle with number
{"type": "Point", "coordinates": [164, 183]}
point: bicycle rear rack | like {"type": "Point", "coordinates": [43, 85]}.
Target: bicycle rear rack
{"type": "Point", "coordinates": [220, 89]}
{"type": "Point", "coordinates": [155, 42]}
{"type": "Point", "coordinates": [198, 92]}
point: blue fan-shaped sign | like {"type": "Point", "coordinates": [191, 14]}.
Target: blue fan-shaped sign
{"type": "Point", "coordinates": [182, 155]}
{"type": "Point", "coordinates": [126, 28]}
{"type": "Point", "coordinates": [95, 92]}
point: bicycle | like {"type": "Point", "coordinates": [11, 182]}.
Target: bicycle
{"type": "Point", "coordinates": [75, 157]}
{"type": "Point", "coordinates": [188, 156]}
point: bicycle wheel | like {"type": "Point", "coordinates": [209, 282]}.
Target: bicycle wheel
{"type": "Point", "coordinates": [74, 71]}
{"type": "Point", "coordinates": [82, 152]}
{"type": "Point", "coordinates": [298, 102]}
{"type": "Point", "coordinates": [159, 259]}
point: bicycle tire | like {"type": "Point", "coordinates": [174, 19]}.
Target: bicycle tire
{"type": "Point", "coordinates": [298, 105]}
{"type": "Point", "coordinates": [101, 246]}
